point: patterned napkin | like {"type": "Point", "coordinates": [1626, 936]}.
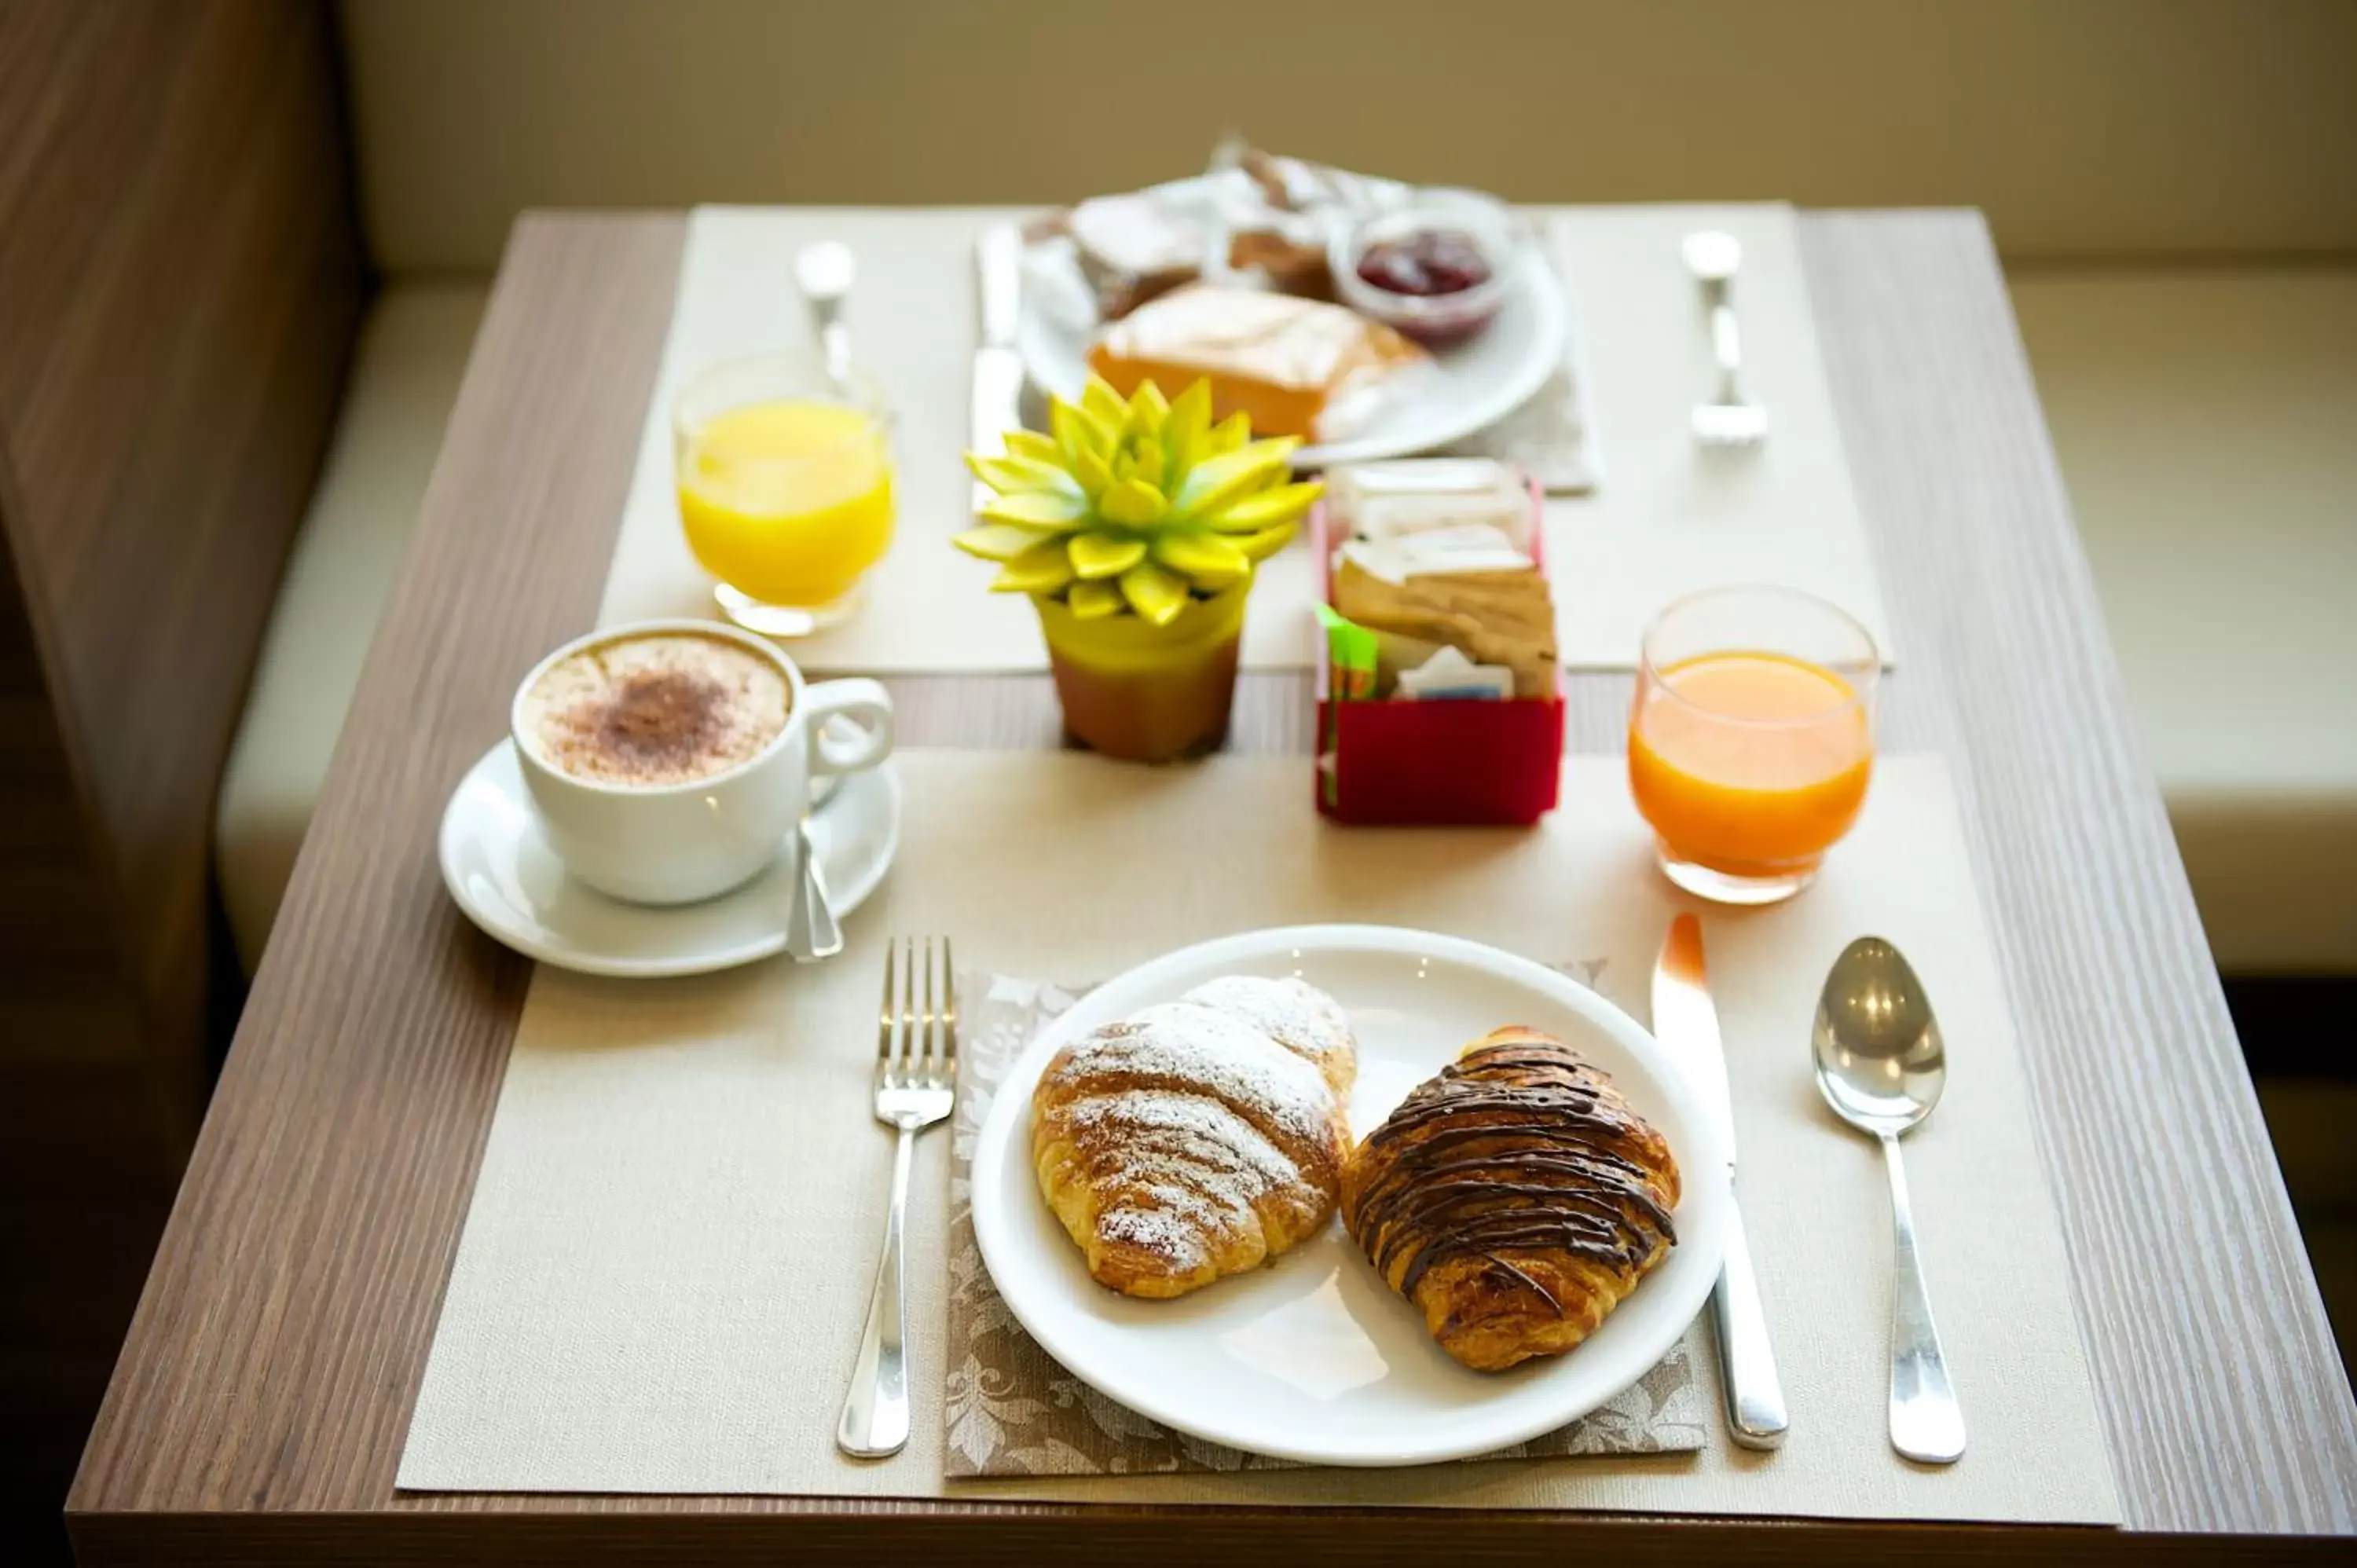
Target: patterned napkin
{"type": "Point", "coordinates": [1012, 1411]}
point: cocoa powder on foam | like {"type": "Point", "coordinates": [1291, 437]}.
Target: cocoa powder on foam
{"type": "Point", "coordinates": [651, 711]}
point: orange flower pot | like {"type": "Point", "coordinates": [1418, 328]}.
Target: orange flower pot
{"type": "Point", "coordinates": [1148, 694]}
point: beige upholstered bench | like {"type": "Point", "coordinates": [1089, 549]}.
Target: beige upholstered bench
{"type": "Point", "coordinates": [405, 372]}
{"type": "Point", "coordinates": [2206, 423]}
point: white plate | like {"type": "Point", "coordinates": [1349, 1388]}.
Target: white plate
{"type": "Point", "coordinates": [1477, 383]}
{"type": "Point", "coordinates": [501, 870]}
{"type": "Point", "coordinates": [1313, 1358]}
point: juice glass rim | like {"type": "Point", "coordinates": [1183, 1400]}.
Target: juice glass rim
{"type": "Point", "coordinates": [812, 387]}
{"type": "Point", "coordinates": [1651, 671]}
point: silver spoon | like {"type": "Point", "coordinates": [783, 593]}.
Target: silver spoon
{"type": "Point", "coordinates": [812, 932]}
{"type": "Point", "coordinates": [1880, 1066]}
{"type": "Point", "coordinates": [824, 273]}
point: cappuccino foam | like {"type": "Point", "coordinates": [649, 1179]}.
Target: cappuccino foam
{"type": "Point", "coordinates": [649, 710]}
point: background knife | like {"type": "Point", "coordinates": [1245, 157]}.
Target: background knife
{"type": "Point", "coordinates": [1686, 1023]}
{"type": "Point", "coordinates": [998, 405]}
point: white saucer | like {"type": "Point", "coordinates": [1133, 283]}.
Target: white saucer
{"type": "Point", "coordinates": [503, 874]}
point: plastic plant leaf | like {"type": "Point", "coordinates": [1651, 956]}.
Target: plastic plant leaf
{"type": "Point", "coordinates": [1213, 487]}
{"type": "Point", "coordinates": [1133, 503]}
{"type": "Point", "coordinates": [996, 541]}
{"type": "Point", "coordinates": [1042, 569]}
{"type": "Point", "coordinates": [1156, 594]}
{"type": "Point", "coordinates": [1099, 555]}
{"type": "Point", "coordinates": [1036, 510]}
{"type": "Point", "coordinates": [1095, 601]}
{"type": "Point", "coordinates": [1211, 560]}
{"type": "Point", "coordinates": [1013, 476]}
{"type": "Point", "coordinates": [1265, 508]}
{"type": "Point", "coordinates": [1099, 400]}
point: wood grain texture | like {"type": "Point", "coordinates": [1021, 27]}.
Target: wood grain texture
{"type": "Point", "coordinates": [989, 1535]}
{"type": "Point", "coordinates": [2227, 1404]}
{"type": "Point", "coordinates": [87, 1155]}
{"type": "Point", "coordinates": [324, 1186]}
{"type": "Point", "coordinates": [259, 1407]}
{"type": "Point", "coordinates": [179, 279]}
{"type": "Point", "coordinates": [180, 282]}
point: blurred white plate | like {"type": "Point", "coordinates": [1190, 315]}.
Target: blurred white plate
{"type": "Point", "coordinates": [1477, 384]}
{"type": "Point", "coordinates": [501, 870]}
{"type": "Point", "coordinates": [1313, 1358]}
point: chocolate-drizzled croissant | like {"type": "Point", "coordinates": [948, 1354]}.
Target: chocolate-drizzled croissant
{"type": "Point", "coordinates": [1515, 1199]}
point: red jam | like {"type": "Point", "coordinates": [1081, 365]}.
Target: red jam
{"type": "Point", "coordinates": [1432, 261]}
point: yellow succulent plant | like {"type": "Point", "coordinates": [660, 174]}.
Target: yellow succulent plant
{"type": "Point", "coordinates": [1139, 508]}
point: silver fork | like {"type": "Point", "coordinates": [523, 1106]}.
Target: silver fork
{"type": "Point", "coordinates": [916, 1087]}
{"type": "Point", "coordinates": [1727, 420]}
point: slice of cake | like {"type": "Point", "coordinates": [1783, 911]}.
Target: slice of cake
{"type": "Point", "coordinates": [1294, 367]}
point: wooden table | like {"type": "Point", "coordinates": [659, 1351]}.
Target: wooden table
{"type": "Point", "coordinates": [260, 1405]}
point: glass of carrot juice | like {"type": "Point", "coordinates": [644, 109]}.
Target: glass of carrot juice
{"type": "Point", "coordinates": [785, 491]}
{"type": "Point", "coordinates": [1751, 739]}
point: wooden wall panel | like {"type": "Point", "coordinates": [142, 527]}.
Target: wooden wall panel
{"type": "Point", "coordinates": [179, 284]}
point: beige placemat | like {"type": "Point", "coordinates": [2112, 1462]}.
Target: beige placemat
{"type": "Point", "coordinates": [1674, 518]}
{"type": "Point", "coordinates": [1008, 1409]}
{"type": "Point", "coordinates": [666, 1262]}
{"type": "Point", "coordinates": [1668, 517]}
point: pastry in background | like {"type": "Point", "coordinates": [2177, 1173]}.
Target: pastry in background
{"type": "Point", "coordinates": [1254, 220]}
{"type": "Point", "coordinates": [1297, 185]}
{"type": "Point", "coordinates": [1514, 1200]}
{"type": "Point", "coordinates": [1135, 247]}
{"type": "Point", "coordinates": [1186, 1143]}
{"type": "Point", "coordinates": [1286, 264]}
{"type": "Point", "coordinates": [1294, 367]}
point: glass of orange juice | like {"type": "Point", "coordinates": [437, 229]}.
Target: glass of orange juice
{"type": "Point", "coordinates": [785, 491]}
{"type": "Point", "coordinates": [1751, 739]}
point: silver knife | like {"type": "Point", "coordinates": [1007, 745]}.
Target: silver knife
{"type": "Point", "coordinates": [1686, 1023]}
{"type": "Point", "coordinates": [997, 367]}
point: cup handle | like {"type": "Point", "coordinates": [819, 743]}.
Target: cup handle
{"type": "Point", "coordinates": [869, 707]}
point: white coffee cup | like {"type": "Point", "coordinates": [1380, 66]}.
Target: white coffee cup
{"type": "Point", "coordinates": [675, 843]}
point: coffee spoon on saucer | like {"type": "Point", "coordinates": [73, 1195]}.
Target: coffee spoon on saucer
{"type": "Point", "coordinates": [812, 932]}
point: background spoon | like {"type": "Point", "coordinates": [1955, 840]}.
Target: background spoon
{"type": "Point", "coordinates": [1880, 1066]}
{"type": "Point", "coordinates": [824, 273]}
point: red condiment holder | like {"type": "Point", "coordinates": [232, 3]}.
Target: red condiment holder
{"type": "Point", "coordinates": [1390, 762]}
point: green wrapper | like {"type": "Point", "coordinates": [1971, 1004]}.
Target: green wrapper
{"type": "Point", "coordinates": [1349, 657]}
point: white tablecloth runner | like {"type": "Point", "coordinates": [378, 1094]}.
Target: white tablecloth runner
{"type": "Point", "coordinates": [666, 1263]}
{"type": "Point", "coordinates": [1667, 517]}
